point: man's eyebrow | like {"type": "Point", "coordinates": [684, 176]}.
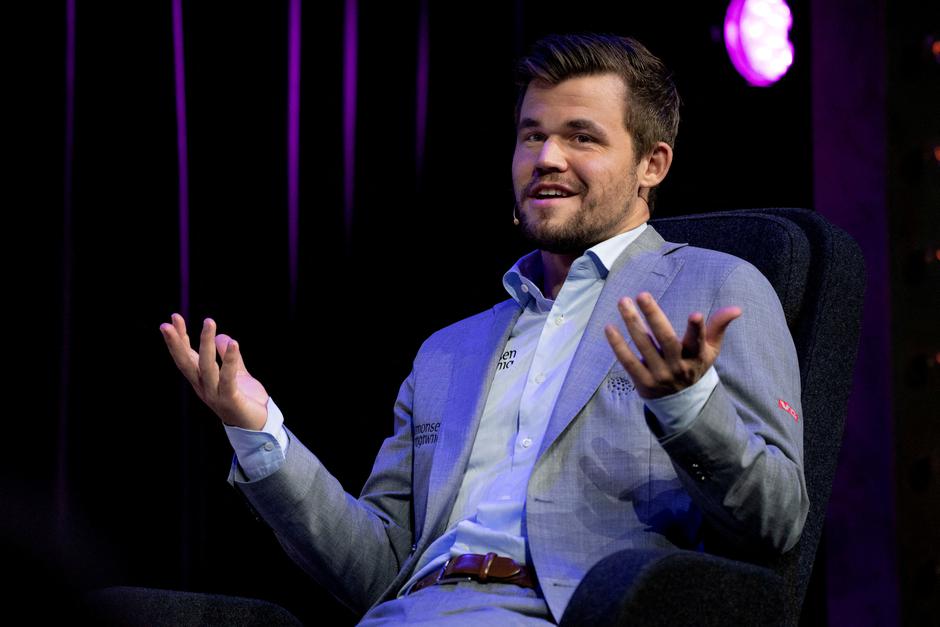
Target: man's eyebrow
{"type": "Point", "coordinates": [578, 124]}
{"type": "Point", "coordinates": [586, 125]}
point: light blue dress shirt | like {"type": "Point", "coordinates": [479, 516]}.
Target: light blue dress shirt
{"type": "Point", "coordinates": [487, 513]}
{"type": "Point", "coordinates": [259, 453]}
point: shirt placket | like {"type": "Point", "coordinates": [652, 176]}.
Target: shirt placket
{"type": "Point", "coordinates": [538, 395]}
{"type": "Point", "coordinates": [542, 383]}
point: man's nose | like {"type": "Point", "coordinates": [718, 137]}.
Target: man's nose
{"type": "Point", "coordinates": [551, 156]}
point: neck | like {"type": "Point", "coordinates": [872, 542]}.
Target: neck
{"type": "Point", "coordinates": [555, 269]}
{"type": "Point", "coordinates": [556, 266]}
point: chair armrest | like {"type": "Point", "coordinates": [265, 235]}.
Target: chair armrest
{"type": "Point", "coordinates": [660, 587]}
{"type": "Point", "coordinates": [127, 605]}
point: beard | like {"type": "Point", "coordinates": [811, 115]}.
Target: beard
{"type": "Point", "coordinates": [591, 224]}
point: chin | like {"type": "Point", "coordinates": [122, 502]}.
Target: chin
{"type": "Point", "coordinates": [554, 241]}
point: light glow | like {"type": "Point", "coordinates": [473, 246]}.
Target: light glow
{"type": "Point", "coordinates": [182, 151]}
{"type": "Point", "coordinates": [756, 37]}
{"type": "Point", "coordinates": [421, 100]}
{"type": "Point", "coordinates": [293, 145]}
{"type": "Point", "coordinates": [350, 78]}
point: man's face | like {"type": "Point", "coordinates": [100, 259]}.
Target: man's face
{"type": "Point", "coordinates": [571, 142]}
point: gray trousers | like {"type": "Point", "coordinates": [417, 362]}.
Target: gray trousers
{"type": "Point", "coordinates": [464, 603]}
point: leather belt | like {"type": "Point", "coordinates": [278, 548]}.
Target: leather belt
{"type": "Point", "coordinates": [476, 567]}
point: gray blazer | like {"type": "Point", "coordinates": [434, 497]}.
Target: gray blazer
{"type": "Point", "coordinates": [606, 478]}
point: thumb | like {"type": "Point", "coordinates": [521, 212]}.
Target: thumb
{"type": "Point", "coordinates": [718, 324]}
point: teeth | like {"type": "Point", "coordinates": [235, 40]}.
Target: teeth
{"type": "Point", "coordinates": [551, 192]}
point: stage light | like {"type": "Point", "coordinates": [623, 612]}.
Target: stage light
{"type": "Point", "coordinates": [756, 37]}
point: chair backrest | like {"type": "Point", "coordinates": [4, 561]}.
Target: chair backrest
{"type": "Point", "coordinates": [819, 274]}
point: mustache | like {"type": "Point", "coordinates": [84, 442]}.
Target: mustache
{"type": "Point", "coordinates": [572, 185]}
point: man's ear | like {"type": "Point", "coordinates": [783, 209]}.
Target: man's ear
{"type": "Point", "coordinates": [654, 167]}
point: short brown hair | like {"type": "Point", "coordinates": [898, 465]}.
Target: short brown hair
{"type": "Point", "coordinates": [652, 105]}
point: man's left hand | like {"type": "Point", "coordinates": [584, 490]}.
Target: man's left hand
{"type": "Point", "coordinates": [667, 365]}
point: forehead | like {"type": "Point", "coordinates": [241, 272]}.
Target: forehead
{"type": "Point", "coordinates": [600, 97]}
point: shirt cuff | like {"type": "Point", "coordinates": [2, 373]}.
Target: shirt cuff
{"type": "Point", "coordinates": [676, 411]}
{"type": "Point", "coordinates": [260, 453]}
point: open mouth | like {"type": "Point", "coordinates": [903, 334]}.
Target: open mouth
{"type": "Point", "coordinates": [546, 193]}
{"type": "Point", "coordinates": [550, 193]}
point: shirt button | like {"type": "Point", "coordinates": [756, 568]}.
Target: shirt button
{"type": "Point", "coordinates": [526, 443]}
{"type": "Point", "coordinates": [540, 378]}
{"type": "Point", "coordinates": [525, 288]}
{"type": "Point", "coordinates": [268, 447]}
{"type": "Point", "coordinates": [559, 320]}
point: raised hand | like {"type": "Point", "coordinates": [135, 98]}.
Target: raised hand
{"type": "Point", "coordinates": [234, 395]}
{"type": "Point", "coordinates": [667, 365]}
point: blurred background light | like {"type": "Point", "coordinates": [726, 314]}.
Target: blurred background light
{"type": "Point", "coordinates": [756, 36]}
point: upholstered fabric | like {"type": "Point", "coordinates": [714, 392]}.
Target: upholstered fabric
{"type": "Point", "coordinates": [818, 272]}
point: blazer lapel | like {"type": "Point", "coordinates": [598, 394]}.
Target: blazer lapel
{"type": "Point", "coordinates": [473, 370]}
{"type": "Point", "coordinates": [636, 270]}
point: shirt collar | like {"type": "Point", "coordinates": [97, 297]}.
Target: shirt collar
{"type": "Point", "coordinates": [523, 280]}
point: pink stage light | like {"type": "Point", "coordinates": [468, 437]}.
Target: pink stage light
{"type": "Point", "coordinates": [756, 36]}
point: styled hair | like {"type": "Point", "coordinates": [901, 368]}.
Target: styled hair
{"type": "Point", "coordinates": [651, 111]}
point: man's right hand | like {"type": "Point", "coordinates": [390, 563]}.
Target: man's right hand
{"type": "Point", "coordinates": [234, 395]}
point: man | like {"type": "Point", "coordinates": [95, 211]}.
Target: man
{"type": "Point", "coordinates": [569, 421]}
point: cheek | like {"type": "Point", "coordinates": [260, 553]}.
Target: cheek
{"type": "Point", "coordinates": [606, 180]}
{"type": "Point", "coordinates": [521, 176]}
{"type": "Point", "coordinates": [520, 164]}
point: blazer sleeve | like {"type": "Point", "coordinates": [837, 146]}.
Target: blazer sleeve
{"type": "Point", "coordinates": [353, 547]}
{"type": "Point", "coordinates": [741, 458]}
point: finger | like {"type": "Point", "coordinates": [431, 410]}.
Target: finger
{"type": "Point", "coordinates": [718, 324]}
{"type": "Point", "coordinates": [180, 325]}
{"type": "Point", "coordinates": [183, 355]}
{"type": "Point", "coordinates": [227, 375]}
{"type": "Point", "coordinates": [221, 345]}
{"type": "Point", "coordinates": [692, 343]}
{"type": "Point", "coordinates": [185, 344]}
{"type": "Point", "coordinates": [642, 338]}
{"type": "Point", "coordinates": [630, 362]}
{"type": "Point", "coordinates": [661, 327]}
{"type": "Point", "coordinates": [208, 368]}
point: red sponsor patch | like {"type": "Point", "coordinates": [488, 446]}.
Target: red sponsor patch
{"type": "Point", "coordinates": [786, 407]}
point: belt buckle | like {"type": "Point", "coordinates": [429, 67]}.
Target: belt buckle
{"type": "Point", "coordinates": [440, 575]}
{"type": "Point", "coordinates": [453, 578]}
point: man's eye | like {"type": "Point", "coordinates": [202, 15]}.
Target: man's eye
{"type": "Point", "coordinates": [533, 137]}
{"type": "Point", "coordinates": [583, 139]}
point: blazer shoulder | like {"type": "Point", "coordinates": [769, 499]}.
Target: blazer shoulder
{"type": "Point", "coordinates": [705, 263]}
{"type": "Point", "coordinates": [704, 254]}
{"type": "Point", "coordinates": [454, 334]}
{"type": "Point", "coordinates": [717, 265]}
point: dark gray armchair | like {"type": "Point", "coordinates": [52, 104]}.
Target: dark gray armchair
{"type": "Point", "coordinates": [819, 275]}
